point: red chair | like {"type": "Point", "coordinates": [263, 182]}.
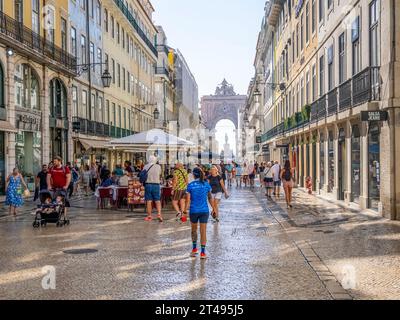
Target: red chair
{"type": "Point", "coordinates": [104, 195]}
{"type": "Point", "coordinates": [122, 195]}
{"type": "Point", "coordinates": [166, 195]}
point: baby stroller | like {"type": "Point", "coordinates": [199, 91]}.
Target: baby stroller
{"type": "Point", "coordinates": [51, 209]}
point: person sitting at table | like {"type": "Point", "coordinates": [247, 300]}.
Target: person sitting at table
{"type": "Point", "coordinates": [124, 180]}
{"type": "Point", "coordinates": [107, 181]}
{"type": "Point", "coordinates": [118, 171]}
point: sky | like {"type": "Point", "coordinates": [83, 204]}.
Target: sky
{"type": "Point", "coordinates": [218, 39]}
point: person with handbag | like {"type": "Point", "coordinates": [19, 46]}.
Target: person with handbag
{"type": "Point", "coordinates": [217, 190]}
{"type": "Point", "coordinates": [180, 182]}
{"type": "Point", "coordinates": [14, 192]}
{"type": "Point", "coordinates": [287, 176]}
{"type": "Point", "coordinates": [150, 177]}
{"type": "Point", "coordinates": [268, 180]}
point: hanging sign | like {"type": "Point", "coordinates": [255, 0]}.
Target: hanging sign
{"type": "Point", "coordinates": [367, 116]}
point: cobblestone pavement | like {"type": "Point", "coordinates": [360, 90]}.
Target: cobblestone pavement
{"type": "Point", "coordinates": [258, 251]}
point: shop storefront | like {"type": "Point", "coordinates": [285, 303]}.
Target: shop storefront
{"type": "Point", "coordinates": [341, 163]}
{"type": "Point", "coordinates": [321, 161]}
{"type": "Point", "coordinates": [2, 163]}
{"type": "Point", "coordinates": [374, 180]}
{"type": "Point", "coordinates": [331, 163]}
{"type": "Point", "coordinates": [59, 137]}
{"type": "Point", "coordinates": [355, 164]}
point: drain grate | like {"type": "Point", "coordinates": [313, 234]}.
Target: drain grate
{"type": "Point", "coordinates": [80, 251]}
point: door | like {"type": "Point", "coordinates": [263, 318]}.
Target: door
{"type": "Point", "coordinates": [341, 163]}
{"type": "Point", "coordinates": [314, 166]}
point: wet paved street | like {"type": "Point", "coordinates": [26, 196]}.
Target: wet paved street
{"type": "Point", "coordinates": [258, 251]}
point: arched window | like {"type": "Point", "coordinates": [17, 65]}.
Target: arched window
{"type": "Point", "coordinates": [2, 105]}
{"type": "Point", "coordinates": [58, 99]}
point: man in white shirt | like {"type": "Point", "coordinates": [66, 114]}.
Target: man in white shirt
{"type": "Point", "coordinates": [276, 171]}
{"type": "Point", "coordinates": [153, 188]}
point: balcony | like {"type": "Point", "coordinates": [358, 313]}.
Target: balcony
{"type": "Point", "coordinates": [15, 33]}
{"type": "Point", "coordinates": [345, 95]}
{"type": "Point", "coordinates": [322, 107]}
{"type": "Point", "coordinates": [163, 48]}
{"type": "Point", "coordinates": [161, 71]}
{"type": "Point", "coordinates": [275, 11]}
{"type": "Point", "coordinates": [314, 111]}
{"type": "Point", "coordinates": [332, 102]}
{"type": "Point", "coordinates": [121, 5]}
{"type": "Point", "coordinates": [366, 86]}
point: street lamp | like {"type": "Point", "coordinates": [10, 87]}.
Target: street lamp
{"type": "Point", "coordinates": [257, 95]}
{"type": "Point", "coordinates": [156, 114]}
{"type": "Point", "coordinates": [106, 79]}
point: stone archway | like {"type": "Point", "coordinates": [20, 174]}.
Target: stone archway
{"type": "Point", "coordinates": [224, 104]}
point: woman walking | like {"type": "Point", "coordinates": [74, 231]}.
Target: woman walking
{"type": "Point", "coordinates": [217, 189]}
{"type": "Point", "coordinates": [268, 180]}
{"type": "Point", "coordinates": [86, 179]}
{"type": "Point", "coordinates": [287, 175]}
{"type": "Point", "coordinates": [14, 192]}
{"type": "Point", "coordinates": [198, 192]}
{"type": "Point", "coordinates": [179, 185]}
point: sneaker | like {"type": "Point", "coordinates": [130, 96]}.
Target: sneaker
{"type": "Point", "coordinates": [148, 218]}
{"type": "Point", "coordinates": [194, 253]}
{"type": "Point", "coordinates": [184, 219]}
{"type": "Point", "coordinates": [203, 256]}
{"type": "Point", "coordinates": [216, 219]}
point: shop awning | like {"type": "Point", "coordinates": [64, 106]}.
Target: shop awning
{"type": "Point", "coordinates": [154, 138]}
{"type": "Point", "coordinates": [93, 144]}
{"type": "Point", "coordinates": [7, 127]}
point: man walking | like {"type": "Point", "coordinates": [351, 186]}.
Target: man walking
{"type": "Point", "coordinates": [58, 179]}
{"type": "Point", "coordinates": [153, 188]}
{"type": "Point", "coordinates": [276, 171]}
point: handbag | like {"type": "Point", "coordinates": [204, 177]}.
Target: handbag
{"type": "Point", "coordinates": [26, 193]}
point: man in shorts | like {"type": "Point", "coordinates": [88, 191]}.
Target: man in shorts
{"type": "Point", "coordinates": [276, 173]}
{"type": "Point", "coordinates": [59, 179]}
{"type": "Point", "coordinates": [179, 185]}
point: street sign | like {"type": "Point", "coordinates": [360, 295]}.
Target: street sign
{"type": "Point", "coordinates": [282, 146]}
{"type": "Point", "coordinates": [374, 116]}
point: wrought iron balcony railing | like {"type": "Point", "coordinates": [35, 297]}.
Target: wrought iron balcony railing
{"type": "Point", "coordinates": [322, 107]}
{"type": "Point", "coordinates": [163, 48]}
{"type": "Point", "coordinates": [16, 31]}
{"type": "Point", "coordinates": [345, 95]}
{"type": "Point", "coordinates": [161, 71]}
{"type": "Point", "coordinates": [121, 5]}
{"type": "Point", "coordinates": [314, 111]}
{"type": "Point", "coordinates": [332, 102]}
{"type": "Point", "coordinates": [366, 86]}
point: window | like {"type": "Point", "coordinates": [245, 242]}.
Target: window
{"type": "Point", "coordinates": [330, 2]}
{"type": "Point", "coordinates": [307, 87]}
{"type": "Point", "coordinates": [301, 32]}
{"type": "Point", "coordinates": [92, 58]}
{"type": "Point", "coordinates": [297, 41]}
{"type": "Point", "coordinates": [100, 60]}
{"type": "Point", "coordinates": [123, 38]}
{"type": "Point", "coordinates": [314, 83]}
{"type": "Point", "coordinates": [313, 17]}
{"type": "Point", "coordinates": [118, 38]}
{"type": "Point", "coordinates": [374, 34]}
{"type": "Point", "coordinates": [114, 115]}
{"type": "Point", "coordinates": [50, 19]}
{"type": "Point", "coordinates": [321, 75]}
{"type": "Point", "coordinates": [106, 61]}
{"type": "Point", "coordinates": [321, 10]}
{"type": "Point", "coordinates": [113, 70]}
{"type": "Point", "coordinates": [107, 113]}
{"type": "Point", "coordinates": [35, 16]}
{"type": "Point", "coordinates": [58, 99]}
{"type": "Point", "coordinates": [83, 49]}
{"type": "Point", "coordinates": [73, 42]}
{"type": "Point", "coordinates": [119, 75]}
{"type": "Point", "coordinates": [342, 58]}
{"type": "Point", "coordinates": [84, 110]}
{"type": "Point", "coordinates": [307, 22]}
{"type": "Point", "coordinates": [355, 37]}
{"type": "Point", "coordinates": [98, 12]}
{"type": "Point", "coordinates": [119, 116]}
{"type": "Point", "coordinates": [123, 79]}
{"type": "Point", "coordinates": [330, 68]}
{"type": "Point", "coordinates": [92, 106]}
{"type": "Point", "coordinates": [293, 47]}
{"type": "Point", "coordinates": [74, 101]}
{"type": "Point", "coordinates": [129, 82]}
{"type": "Point", "coordinates": [112, 27]}
{"type": "Point", "coordinates": [83, 4]}
{"type": "Point", "coordinates": [302, 93]}
{"type": "Point", "coordinates": [106, 20]}
{"type": "Point", "coordinates": [99, 113]}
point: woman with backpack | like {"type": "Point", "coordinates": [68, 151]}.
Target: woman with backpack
{"type": "Point", "coordinates": [287, 176]}
{"type": "Point", "coordinates": [268, 180]}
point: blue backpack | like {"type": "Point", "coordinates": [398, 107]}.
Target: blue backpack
{"type": "Point", "coordinates": [143, 175]}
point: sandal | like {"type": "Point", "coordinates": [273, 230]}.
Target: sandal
{"type": "Point", "coordinates": [148, 218]}
{"type": "Point", "coordinates": [213, 214]}
{"type": "Point", "coordinates": [160, 218]}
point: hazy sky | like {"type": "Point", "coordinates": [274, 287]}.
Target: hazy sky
{"type": "Point", "coordinates": [217, 38]}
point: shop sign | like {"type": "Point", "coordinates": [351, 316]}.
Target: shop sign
{"type": "Point", "coordinates": [374, 116]}
{"type": "Point", "coordinates": [258, 139]}
{"type": "Point", "coordinates": [28, 122]}
{"type": "Point", "coordinates": [265, 149]}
